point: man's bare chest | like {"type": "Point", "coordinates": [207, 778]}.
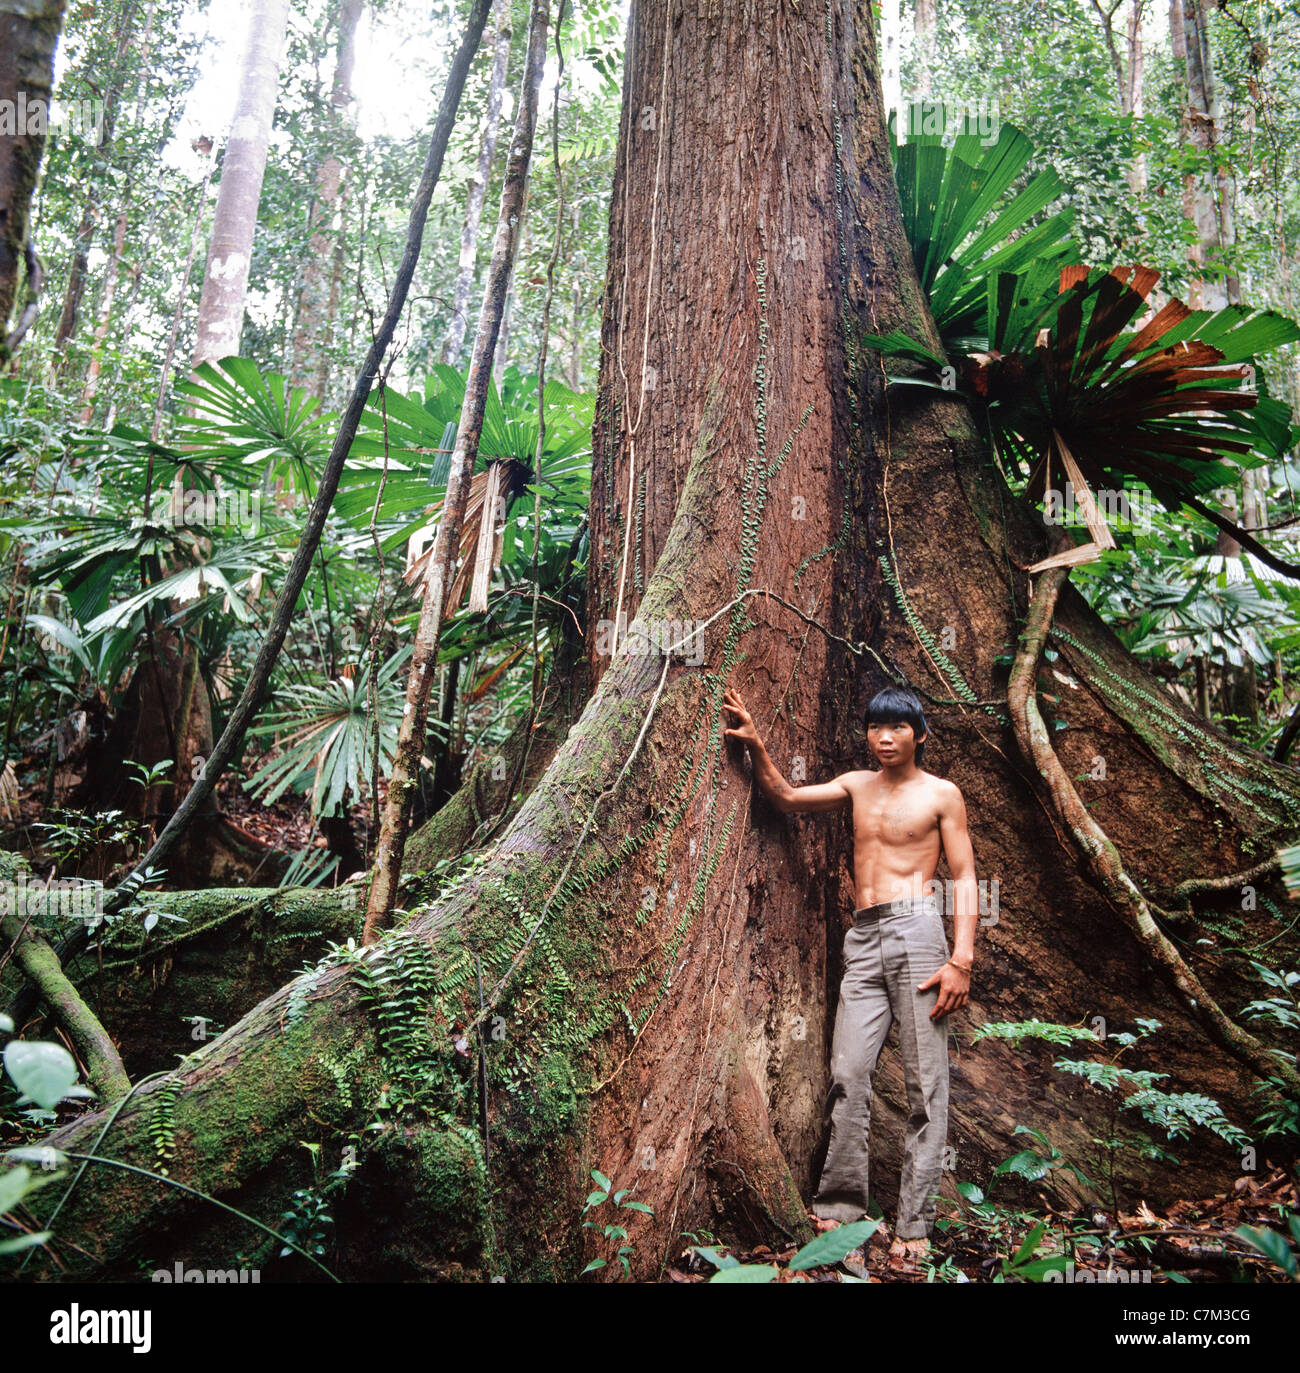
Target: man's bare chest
{"type": "Point", "coordinates": [894, 819]}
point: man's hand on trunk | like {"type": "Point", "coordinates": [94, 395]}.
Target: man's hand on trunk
{"type": "Point", "coordinates": [745, 729]}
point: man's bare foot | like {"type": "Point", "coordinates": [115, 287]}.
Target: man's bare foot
{"type": "Point", "coordinates": [855, 1261]}
{"type": "Point", "coordinates": [907, 1252]}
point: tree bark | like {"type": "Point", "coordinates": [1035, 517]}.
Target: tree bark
{"type": "Point", "coordinates": [29, 34]}
{"type": "Point", "coordinates": [659, 948]}
{"type": "Point", "coordinates": [451, 345]}
{"type": "Point", "coordinates": [403, 779]}
{"type": "Point", "coordinates": [225, 279]}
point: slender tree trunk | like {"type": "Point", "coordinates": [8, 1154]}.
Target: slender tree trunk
{"type": "Point", "coordinates": [309, 363]}
{"type": "Point", "coordinates": [225, 279]}
{"type": "Point", "coordinates": [403, 780]}
{"type": "Point", "coordinates": [451, 345]}
{"type": "Point", "coordinates": [574, 379]}
{"type": "Point", "coordinates": [29, 33]}
{"type": "Point", "coordinates": [221, 313]}
{"type": "Point", "coordinates": [891, 77]}
{"type": "Point", "coordinates": [103, 321]}
{"type": "Point", "coordinates": [1206, 194]}
{"type": "Point", "coordinates": [926, 22]}
{"type": "Point", "coordinates": [107, 300]}
{"type": "Point", "coordinates": [202, 193]}
{"type": "Point", "coordinates": [1127, 69]}
{"type": "Point", "coordinates": [1133, 102]}
{"type": "Point", "coordinates": [324, 369]}
{"type": "Point", "coordinates": [95, 184]}
{"type": "Point", "coordinates": [658, 946]}
{"type": "Point", "coordinates": [446, 760]}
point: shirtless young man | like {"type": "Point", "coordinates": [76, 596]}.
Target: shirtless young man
{"type": "Point", "coordinates": [896, 962]}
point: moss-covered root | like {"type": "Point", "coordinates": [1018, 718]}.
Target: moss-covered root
{"type": "Point", "coordinates": [41, 965]}
{"type": "Point", "coordinates": [1103, 858]}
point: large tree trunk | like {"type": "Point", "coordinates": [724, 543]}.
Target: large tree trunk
{"type": "Point", "coordinates": [29, 33]}
{"type": "Point", "coordinates": [225, 280]}
{"type": "Point", "coordinates": [658, 948]}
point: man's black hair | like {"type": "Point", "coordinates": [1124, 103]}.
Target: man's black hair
{"type": "Point", "coordinates": [896, 705]}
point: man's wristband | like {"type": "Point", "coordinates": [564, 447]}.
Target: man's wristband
{"type": "Point", "coordinates": [960, 968]}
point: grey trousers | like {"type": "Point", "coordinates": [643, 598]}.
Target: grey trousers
{"type": "Point", "coordinates": [888, 952]}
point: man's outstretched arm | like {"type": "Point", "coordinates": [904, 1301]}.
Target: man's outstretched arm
{"type": "Point", "coordinates": [832, 795]}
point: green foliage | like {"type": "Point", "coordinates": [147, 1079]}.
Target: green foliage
{"type": "Point", "coordinates": [17, 1183]}
{"type": "Point", "coordinates": [306, 1222]}
{"type": "Point", "coordinates": [1030, 1166]}
{"type": "Point", "coordinates": [1017, 1031]}
{"type": "Point", "coordinates": [1282, 1009]}
{"type": "Point", "coordinates": [612, 1231]}
{"type": "Point", "coordinates": [43, 1073]}
{"type": "Point", "coordinates": [1052, 354]}
{"type": "Point", "coordinates": [325, 734]}
{"type": "Point", "coordinates": [162, 1122]}
{"type": "Point", "coordinates": [828, 1248]}
{"type": "Point", "coordinates": [398, 982]}
{"type": "Point", "coordinates": [967, 221]}
{"type": "Point", "coordinates": [1134, 1090]}
{"type": "Point", "coordinates": [1275, 1244]}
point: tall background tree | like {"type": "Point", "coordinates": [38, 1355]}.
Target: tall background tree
{"type": "Point", "coordinates": [230, 249]}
